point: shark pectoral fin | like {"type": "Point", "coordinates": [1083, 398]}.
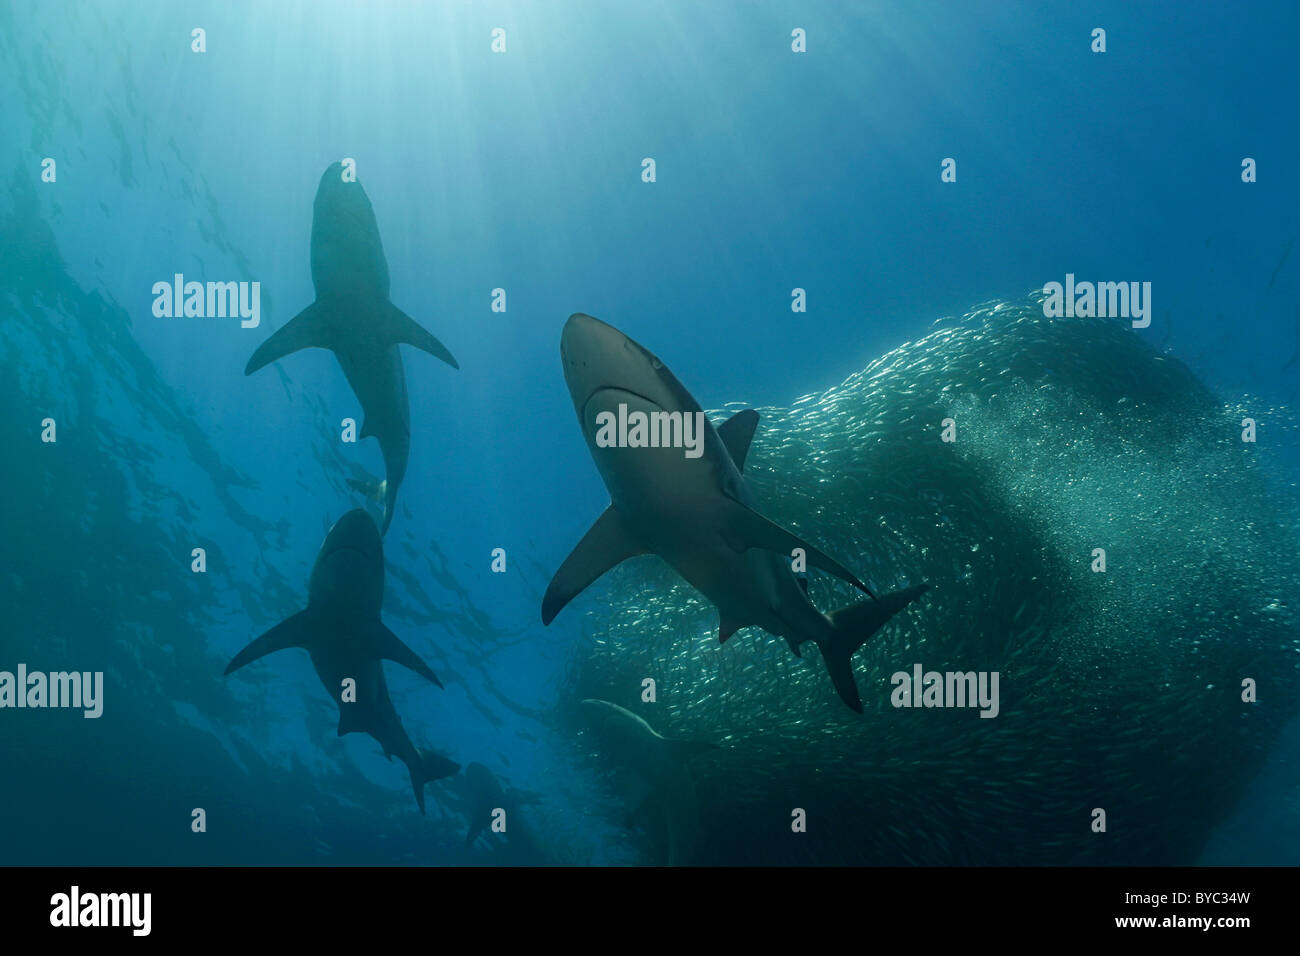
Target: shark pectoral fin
{"type": "Point", "coordinates": [745, 528]}
{"type": "Point", "coordinates": [398, 327]}
{"type": "Point", "coordinates": [291, 632]}
{"type": "Point", "coordinates": [606, 544]}
{"type": "Point", "coordinates": [736, 433]}
{"type": "Point", "coordinates": [390, 647]}
{"type": "Point", "coordinates": [305, 330]}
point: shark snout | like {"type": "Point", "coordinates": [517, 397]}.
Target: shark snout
{"type": "Point", "coordinates": [596, 356]}
{"type": "Point", "coordinates": [582, 339]}
{"type": "Point", "coordinates": [355, 532]}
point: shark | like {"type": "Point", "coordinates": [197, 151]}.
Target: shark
{"type": "Point", "coordinates": [341, 630]}
{"type": "Point", "coordinates": [696, 512]}
{"type": "Point", "coordinates": [354, 318]}
{"type": "Point", "coordinates": [657, 781]}
{"type": "Point", "coordinates": [484, 796]}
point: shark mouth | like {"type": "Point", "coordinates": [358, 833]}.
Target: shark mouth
{"type": "Point", "coordinates": [616, 388]}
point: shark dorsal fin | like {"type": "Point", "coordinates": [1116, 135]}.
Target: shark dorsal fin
{"type": "Point", "coordinates": [293, 631]}
{"type": "Point", "coordinates": [607, 543]}
{"type": "Point", "coordinates": [736, 433]}
{"type": "Point", "coordinates": [389, 647]}
{"type": "Point", "coordinates": [744, 528]}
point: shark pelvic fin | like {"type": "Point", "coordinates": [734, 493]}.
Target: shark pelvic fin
{"type": "Point", "coordinates": [305, 330]}
{"type": "Point", "coordinates": [736, 433]}
{"type": "Point", "coordinates": [291, 632]}
{"type": "Point", "coordinates": [852, 626]}
{"type": "Point", "coordinates": [390, 647]}
{"type": "Point", "coordinates": [397, 327]}
{"type": "Point", "coordinates": [607, 543]}
{"type": "Point", "coordinates": [745, 528]}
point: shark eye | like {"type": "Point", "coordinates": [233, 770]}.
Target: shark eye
{"type": "Point", "coordinates": [655, 363]}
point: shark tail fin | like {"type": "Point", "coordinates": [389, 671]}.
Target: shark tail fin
{"type": "Point", "coordinates": [852, 627]}
{"type": "Point", "coordinates": [429, 767]}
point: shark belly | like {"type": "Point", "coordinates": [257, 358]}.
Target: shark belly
{"type": "Point", "coordinates": [670, 502]}
{"type": "Point", "coordinates": [371, 710]}
{"type": "Point", "coordinates": [378, 379]}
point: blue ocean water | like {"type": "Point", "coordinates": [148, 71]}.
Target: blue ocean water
{"type": "Point", "coordinates": [522, 170]}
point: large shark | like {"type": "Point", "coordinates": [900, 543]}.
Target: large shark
{"type": "Point", "coordinates": [353, 317]}
{"type": "Point", "coordinates": [342, 632]}
{"type": "Point", "coordinates": [695, 512]}
{"type": "Point", "coordinates": [657, 782]}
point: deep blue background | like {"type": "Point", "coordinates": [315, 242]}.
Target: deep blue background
{"type": "Point", "coordinates": [522, 171]}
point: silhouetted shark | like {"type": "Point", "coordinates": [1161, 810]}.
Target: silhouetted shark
{"type": "Point", "coordinates": [695, 512]}
{"type": "Point", "coordinates": [342, 632]}
{"type": "Point", "coordinates": [353, 317]}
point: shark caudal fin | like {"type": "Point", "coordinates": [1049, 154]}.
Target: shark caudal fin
{"type": "Point", "coordinates": [852, 626]}
{"type": "Point", "coordinates": [429, 767]}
